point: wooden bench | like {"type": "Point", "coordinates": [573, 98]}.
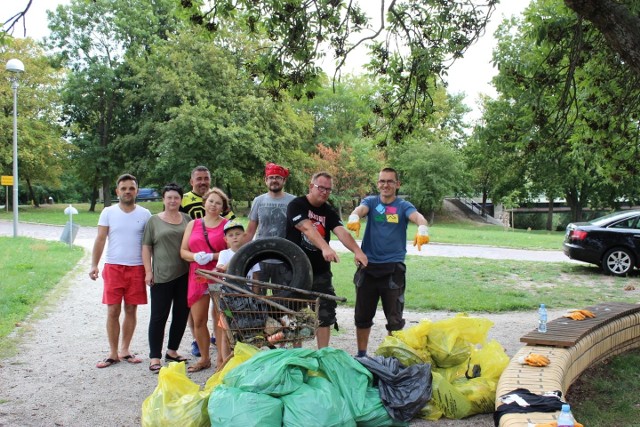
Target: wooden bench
{"type": "Point", "coordinates": [571, 346]}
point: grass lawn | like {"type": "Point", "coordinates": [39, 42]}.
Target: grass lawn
{"type": "Point", "coordinates": [606, 395]}
{"type": "Point", "coordinates": [31, 271]}
{"type": "Point", "coordinates": [484, 285]}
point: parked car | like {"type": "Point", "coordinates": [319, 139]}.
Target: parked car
{"type": "Point", "coordinates": [611, 242]}
{"type": "Point", "coordinates": [148, 194]}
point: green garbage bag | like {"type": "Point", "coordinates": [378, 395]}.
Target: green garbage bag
{"type": "Point", "coordinates": [317, 403]}
{"type": "Point", "coordinates": [347, 375]}
{"type": "Point", "coordinates": [274, 372]}
{"type": "Point", "coordinates": [374, 413]}
{"type": "Point", "coordinates": [233, 407]}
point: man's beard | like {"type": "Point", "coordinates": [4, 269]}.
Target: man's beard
{"type": "Point", "coordinates": [275, 190]}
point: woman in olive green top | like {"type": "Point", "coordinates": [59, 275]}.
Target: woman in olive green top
{"type": "Point", "coordinates": [167, 279]}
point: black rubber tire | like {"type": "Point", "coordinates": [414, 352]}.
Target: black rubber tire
{"type": "Point", "coordinates": [618, 262]}
{"type": "Point", "coordinates": [274, 248]}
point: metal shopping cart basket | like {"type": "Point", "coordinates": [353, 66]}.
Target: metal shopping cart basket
{"type": "Point", "coordinates": [264, 320]}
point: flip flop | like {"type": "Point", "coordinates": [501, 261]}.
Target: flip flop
{"type": "Point", "coordinates": [131, 358]}
{"type": "Point", "coordinates": [178, 358]}
{"type": "Point", "coordinates": [106, 363]}
{"type": "Point", "coordinates": [155, 368]}
{"type": "Point", "coordinates": [198, 367]}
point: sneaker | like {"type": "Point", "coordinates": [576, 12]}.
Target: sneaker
{"type": "Point", "coordinates": [194, 349]}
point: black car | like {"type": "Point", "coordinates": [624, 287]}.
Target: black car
{"type": "Point", "coordinates": [611, 242]}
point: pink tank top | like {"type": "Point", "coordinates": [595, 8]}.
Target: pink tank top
{"type": "Point", "coordinates": [198, 285]}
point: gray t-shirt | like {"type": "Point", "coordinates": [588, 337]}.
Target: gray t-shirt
{"type": "Point", "coordinates": [271, 215]}
{"type": "Point", "coordinates": [165, 240]}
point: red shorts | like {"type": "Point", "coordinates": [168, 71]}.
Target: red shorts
{"type": "Point", "coordinates": [124, 282]}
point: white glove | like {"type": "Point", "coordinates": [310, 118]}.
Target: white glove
{"type": "Point", "coordinates": [203, 258]}
{"type": "Point", "coordinates": [422, 237]}
{"type": "Point", "coordinates": [354, 224]}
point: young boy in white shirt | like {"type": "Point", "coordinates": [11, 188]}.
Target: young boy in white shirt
{"type": "Point", "coordinates": [234, 236]}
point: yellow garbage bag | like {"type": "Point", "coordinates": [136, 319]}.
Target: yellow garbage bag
{"type": "Point", "coordinates": [176, 401]}
{"type": "Point", "coordinates": [241, 353]}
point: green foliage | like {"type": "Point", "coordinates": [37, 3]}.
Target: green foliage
{"type": "Point", "coordinates": [31, 269]}
{"type": "Point", "coordinates": [410, 50]}
{"type": "Point", "coordinates": [564, 122]}
{"type": "Point", "coordinates": [194, 106]}
{"type": "Point", "coordinates": [429, 172]}
{"type": "Point", "coordinates": [42, 152]}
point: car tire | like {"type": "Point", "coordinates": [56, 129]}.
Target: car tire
{"type": "Point", "coordinates": [274, 248]}
{"type": "Point", "coordinates": [618, 262]}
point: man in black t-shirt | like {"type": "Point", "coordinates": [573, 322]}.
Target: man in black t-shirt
{"type": "Point", "coordinates": [310, 221]}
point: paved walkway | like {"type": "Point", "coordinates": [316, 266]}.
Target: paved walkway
{"type": "Point", "coordinates": [86, 235]}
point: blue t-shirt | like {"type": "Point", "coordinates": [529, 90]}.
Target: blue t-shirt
{"type": "Point", "coordinates": [385, 238]}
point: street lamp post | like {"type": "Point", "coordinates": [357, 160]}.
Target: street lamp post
{"type": "Point", "coordinates": [15, 67]}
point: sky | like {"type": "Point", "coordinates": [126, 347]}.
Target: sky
{"type": "Point", "coordinates": [470, 75]}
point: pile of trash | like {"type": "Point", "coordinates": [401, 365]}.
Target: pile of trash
{"type": "Point", "coordinates": [465, 367]}
{"type": "Point", "coordinates": [292, 387]}
{"type": "Point", "coordinates": [431, 370]}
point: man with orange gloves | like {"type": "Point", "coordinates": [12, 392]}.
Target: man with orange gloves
{"type": "Point", "coordinates": [385, 244]}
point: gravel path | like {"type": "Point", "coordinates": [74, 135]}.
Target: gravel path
{"type": "Point", "coordinates": [53, 380]}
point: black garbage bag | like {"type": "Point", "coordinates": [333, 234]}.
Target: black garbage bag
{"type": "Point", "coordinates": [403, 390]}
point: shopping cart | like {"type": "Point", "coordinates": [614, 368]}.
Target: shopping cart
{"type": "Point", "coordinates": [269, 320]}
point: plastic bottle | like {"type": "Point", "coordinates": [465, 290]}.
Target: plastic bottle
{"type": "Point", "coordinates": [542, 319]}
{"type": "Point", "coordinates": [565, 419]}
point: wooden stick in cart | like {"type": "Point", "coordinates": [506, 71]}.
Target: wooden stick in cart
{"type": "Point", "coordinates": [283, 287]}
{"type": "Point", "coordinates": [238, 289]}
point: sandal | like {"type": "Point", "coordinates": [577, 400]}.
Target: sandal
{"type": "Point", "coordinates": [199, 367]}
{"type": "Point", "coordinates": [155, 367]}
{"type": "Point", "coordinates": [106, 363]}
{"type": "Point", "coordinates": [178, 358]}
{"type": "Point", "coordinates": [131, 358]}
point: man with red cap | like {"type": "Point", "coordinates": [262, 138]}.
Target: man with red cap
{"type": "Point", "coordinates": [268, 218]}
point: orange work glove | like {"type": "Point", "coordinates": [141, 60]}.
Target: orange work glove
{"type": "Point", "coordinates": [575, 315]}
{"type": "Point", "coordinates": [534, 359]}
{"type": "Point", "coordinates": [354, 224]}
{"type": "Point", "coordinates": [422, 237]}
{"type": "Point", "coordinates": [585, 313]}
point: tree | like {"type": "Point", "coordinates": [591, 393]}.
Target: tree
{"type": "Point", "coordinates": [412, 47]}
{"type": "Point", "coordinates": [618, 22]}
{"type": "Point", "coordinates": [42, 153]}
{"type": "Point", "coordinates": [572, 103]}
{"type": "Point", "coordinates": [353, 168]}
{"type": "Point", "coordinates": [94, 40]}
{"type": "Point", "coordinates": [190, 104]}
{"type": "Point", "coordinates": [430, 172]}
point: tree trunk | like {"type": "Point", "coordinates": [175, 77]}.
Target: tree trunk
{"type": "Point", "coordinates": [550, 214]}
{"type": "Point", "coordinates": [106, 191]}
{"type": "Point", "coordinates": [94, 198]}
{"type": "Point", "coordinates": [619, 26]}
{"type": "Point", "coordinates": [32, 195]}
{"type": "Point", "coordinates": [484, 204]}
{"type": "Point", "coordinates": [575, 203]}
